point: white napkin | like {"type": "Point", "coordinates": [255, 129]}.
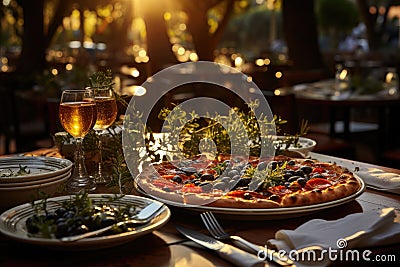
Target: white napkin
{"type": "Point", "coordinates": [359, 230]}
{"type": "Point", "coordinates": [379, 179]}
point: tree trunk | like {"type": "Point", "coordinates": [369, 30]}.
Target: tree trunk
{"type": "Point", "coordinates": [158, 45]}
{"type": "Point", "coordinates": [370, 22]}
{"type": "Point", "coordinates": [202, 39]}
{"type": "Point", "coordinates": [62, 10]}
{"type": "Point", "coordinates": [33, 57]}
{"type": "Point", "coordinates": [300, 30]}
{"type": "Point", "coordinates": [205, 42]}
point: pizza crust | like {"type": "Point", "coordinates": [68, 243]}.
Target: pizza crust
{"type": "Point", "coordinates": [230, 202]}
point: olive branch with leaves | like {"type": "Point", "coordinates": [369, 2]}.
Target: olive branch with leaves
{"type": "Point", "coordinates": [192, 130]}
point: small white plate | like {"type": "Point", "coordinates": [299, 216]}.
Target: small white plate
{"type": "Point", "coordinates": [306, 145]}
{"type": "Point", "coordinates": [12, 224]}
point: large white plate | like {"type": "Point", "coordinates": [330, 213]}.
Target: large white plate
{"type": "Point", "coordinates": [264, 214]}
{"type": "Point", "coordinates": [12, 224]}
{"type": "Point", "coordinates": [39, 167]}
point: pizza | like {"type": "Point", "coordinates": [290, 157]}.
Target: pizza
{"type": "Point", "coordinates": [237, 182]}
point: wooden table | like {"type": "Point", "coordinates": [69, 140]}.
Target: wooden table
{"type": "Point", "coordinates": [166, 247]}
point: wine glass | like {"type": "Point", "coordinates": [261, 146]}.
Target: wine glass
{"type": "Point", "coordinates": [106, 109]}
{"type": "Point", "coordinates": [78, 116]}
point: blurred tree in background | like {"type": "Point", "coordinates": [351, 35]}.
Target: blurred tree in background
{"type": "Point", "coordinates": [337, 18]}
{"type": "Point", "coordinates": [160, 33]}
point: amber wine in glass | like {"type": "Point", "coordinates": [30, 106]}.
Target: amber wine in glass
{"type": "Point", "coordinates": [106, 109]}
{"type": "Point", "coordinates": [77, 116]}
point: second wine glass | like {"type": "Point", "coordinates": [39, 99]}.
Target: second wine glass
{"type": "Point", "coordinates": [106, 107]}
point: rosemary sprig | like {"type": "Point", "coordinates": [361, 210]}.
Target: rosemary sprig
{"type": "Point", "coordinates": [21, 171]}
{"type": "Point", "coordinates": [102, 80]}
{"type": "Point", "coordinates": [270, 176]}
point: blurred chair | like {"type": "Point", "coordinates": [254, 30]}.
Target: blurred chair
{"type": "Point", "coordinates": [23, 121]}
{"type": "Point", "coordinates": [53, 121]}
{"type": "Point", "coordinates": [7, 118]}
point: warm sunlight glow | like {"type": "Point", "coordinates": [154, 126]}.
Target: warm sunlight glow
{"type": "Point", "coordinates": [343, 74]}
{"type": "Point", "coordinates": [222, 59]}
{"type": "Point", "coordinates": [193, 56]}
{"type": "Point", "coordinates": [259, 62]}
{"type": "Point", "coordinates": [145, 59]}
{"type": "Point", "coordinates": [167, 15]}
{"type": "Point", "coordinates": [389, 77]}
{"type": "Point", "coordinates": [90, 24]}
{"type": "Point", "coordinates": [68, 67]}
{"type": "Point", "coordinates": [75, 44]}
{"type": "Point", "coordinates": [175, 47]}
{"type": "Point", "coordinates": [135, 73]}
{"type": "Point", "coordinates": [181, 51]}
{"type": "Point", "coordinates": [278, 74]}
{"type": "Point", "coordinates": [75, 23]}
{"type": "Point", "coordinates": [182, 27]}
{"type": "Point", "coordinates": [239, 61]}
{"type": "Point", "coordinates": [142, 53]}
{"type": "Point", "coordinates": [88, 45]}
{"type": "Point", "coordinates": [134, 90]}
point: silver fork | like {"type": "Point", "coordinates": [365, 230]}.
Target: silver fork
{"type": "Point", "coordinates": [218, 232]}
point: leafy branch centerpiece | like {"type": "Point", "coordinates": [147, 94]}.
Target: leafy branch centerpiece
{"type": "Point", "coordinates": [199, 135]}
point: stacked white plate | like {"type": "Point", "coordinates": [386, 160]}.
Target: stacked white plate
{"type": "Point", "coordinates": [44, 176]}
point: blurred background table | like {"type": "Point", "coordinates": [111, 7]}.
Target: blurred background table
{"type": "Point", "coordinates": [350, 116]}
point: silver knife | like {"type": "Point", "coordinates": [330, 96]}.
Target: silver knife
{"type": "Point", "coordinates": [234, 255]}
{"type": "Point", "coordinates": [143, 217]}
{"type": "Point", "coordinates": [264, 252]}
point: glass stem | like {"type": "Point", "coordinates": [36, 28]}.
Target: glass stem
{"type": "Point", "coordinates": [100, 148]}
{"type": "Point", "coordinates": [80, 172]}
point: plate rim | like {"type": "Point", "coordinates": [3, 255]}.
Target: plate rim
{"type": "Point", "coordinates": [27, 184]}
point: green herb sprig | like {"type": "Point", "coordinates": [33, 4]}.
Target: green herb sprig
{"type": "Point", "coordinates": [21, 171]}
